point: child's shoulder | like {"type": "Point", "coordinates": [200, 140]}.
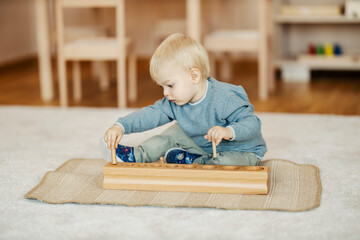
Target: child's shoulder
{"type": "Point", "coordinates": [227, 90]}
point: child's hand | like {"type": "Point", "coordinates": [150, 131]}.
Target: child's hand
{"type": "Point", "coordinates": [218, 133]}
{"type": "Point", "coordinates": [113, 136]}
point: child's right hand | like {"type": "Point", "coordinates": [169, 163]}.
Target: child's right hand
{"type": "Point", "coordinates": [113, 136]}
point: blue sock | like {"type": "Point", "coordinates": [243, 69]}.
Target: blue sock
{"type": "Point", "coordinates": [125, 153]}
{"type": "Point", "coordinates": [179, 156]}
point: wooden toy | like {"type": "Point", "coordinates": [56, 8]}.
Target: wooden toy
{"type": "Point", "coordinates": [337, 49]}
{"type": "Point", "coordinates": [113, 156]}
{"type": "Point", "coordinates": [311, 49]}
{"type": "Point", "coordinates": [186, 178]}
{"type": "Point", "coordinates": [329, 51]}
{"type": "Point", "coordinates": [214, 149]}
{"type": "Point", "coordinates": [320, 49]}
{"type": "Point", "coordinates": [160, 176]}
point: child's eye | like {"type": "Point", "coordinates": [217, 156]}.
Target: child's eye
{"type": "Point", "coordinates": [171, 85]}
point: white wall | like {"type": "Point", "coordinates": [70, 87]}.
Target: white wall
{"type": "Point", "coordinates": [17, 24]}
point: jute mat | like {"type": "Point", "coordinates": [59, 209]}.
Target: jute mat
{"type": "Point", "coordinates": [293, 187]}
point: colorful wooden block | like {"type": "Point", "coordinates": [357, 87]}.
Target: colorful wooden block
{"type": "Point", "coordinates": [329, 51]}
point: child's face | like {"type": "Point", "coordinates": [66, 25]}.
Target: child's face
{"type": "Point", "coordinates": [178, 85]}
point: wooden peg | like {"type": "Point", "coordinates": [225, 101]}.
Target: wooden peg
{"type": "Point", "coordinates": [113, 156]}
{"type": "Point", "coordinates": [214, 149]}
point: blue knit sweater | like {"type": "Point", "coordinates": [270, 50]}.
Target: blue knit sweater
{"type": "Point", "coordinates": [223, 105]}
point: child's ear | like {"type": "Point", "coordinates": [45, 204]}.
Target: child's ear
{"type": "Point", "coordinates": [195, 75]}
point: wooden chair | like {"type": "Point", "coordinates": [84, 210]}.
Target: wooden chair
{"type": "Point", "coordinates": [99, 68]}
{"type": "Point", "coordinates": [245, 41]}
{"type": "Point", "coordinates": [190, 25]}
{"type": "Point", "coordinates": [95, 49]}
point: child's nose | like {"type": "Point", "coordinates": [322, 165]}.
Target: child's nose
{"type": "Point", "coordinates": [166, 92]}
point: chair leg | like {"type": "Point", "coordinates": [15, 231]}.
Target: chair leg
{"type": "Point", "coordinates": [270, 34]}
{"type": "Point", "coordinates": [121, 82]}
{"type": "Point", "coordinates": [132, 77]}
{"type": "Point", "coordinates": [263, 52]}
{"type": "Point", "coordinates": [226, 68]}
{"type": "Point", "coordinates": [77, 81]}
{"type": "Point", "coordinates": [104, 79]}
{"type": "Point", "coordinates": [263, 81]}
{"type": "Point", "coordinates": [62, 82]}
{"type": "Point", "coordinates": [213, 68]}
{"type": "Point", "coordinates": [270, 66]}
{"type": "Point", "coordinates": [271, 77]}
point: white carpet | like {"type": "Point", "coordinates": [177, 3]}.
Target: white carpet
{"type": "Point", "coordinates": [35, 140]}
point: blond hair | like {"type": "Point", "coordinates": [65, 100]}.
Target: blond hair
{"type": "Point", "coordinates": [185, 51]}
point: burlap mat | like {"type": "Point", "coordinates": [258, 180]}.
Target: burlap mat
{"type": "Point", "coordinates": [293, 187]}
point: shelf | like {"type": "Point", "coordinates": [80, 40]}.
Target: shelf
{"type": "Point", "coordinates": [282, 19]}
{"type": "Point", "coordinates": [321, 63]}
{"type": "Point", "coordinates": [297, 23]}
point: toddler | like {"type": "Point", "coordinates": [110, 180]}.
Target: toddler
{"type": "Point", "coordinates": [205, 109]}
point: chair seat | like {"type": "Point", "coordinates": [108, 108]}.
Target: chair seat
{"type": "Point", "coordinates": [232, 40]}
{"type": "Point", "coordinates": [99, 48]}
{"type": "Point", "coordinates": [73, 33]}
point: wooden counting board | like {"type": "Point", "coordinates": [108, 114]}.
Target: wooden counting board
{"type": "Point", "coordinates": [186, 177]}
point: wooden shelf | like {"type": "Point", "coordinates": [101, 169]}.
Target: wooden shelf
{"type": "Point", "coordinates": [322, 63]}
{"type": "Point", "coordinates": [296, 25]}
{"type": "Point", "coordinates": [282, 19]}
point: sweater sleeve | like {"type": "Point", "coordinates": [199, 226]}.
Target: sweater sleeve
{"type": "Point", "coordinates": [241, 118]}
{"type": "Point", "coordinates": [148, 117]}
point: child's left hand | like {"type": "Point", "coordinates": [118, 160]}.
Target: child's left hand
{"type": "Point", "coordinates": [218, 133]}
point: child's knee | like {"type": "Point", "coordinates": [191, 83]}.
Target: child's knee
{"type": "Point", "coordinates": [240, 159]}
{"type": "Point", "coordinates": [160, 141]}
{"type": "Point", "coordinates": [230, 158]}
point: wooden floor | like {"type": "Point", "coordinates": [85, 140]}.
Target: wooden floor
{"type": "Point", "coordinates": [328, 92]}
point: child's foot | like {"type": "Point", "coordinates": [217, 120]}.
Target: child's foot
{"type": "Point", "coordinates": [125, 154]}
{"type": "Point", "coordinates": [179, 156]}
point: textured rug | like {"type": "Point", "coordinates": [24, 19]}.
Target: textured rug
{"type": "Point", "coordinates": [293, 187]}
{"type": "Point", "coordinates": [35, 140]}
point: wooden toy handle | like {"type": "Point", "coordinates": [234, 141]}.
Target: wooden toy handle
{"type": "Point", "coordinates": [113, 156]}
{"type": "Point", "coordinates": [214, 149]}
